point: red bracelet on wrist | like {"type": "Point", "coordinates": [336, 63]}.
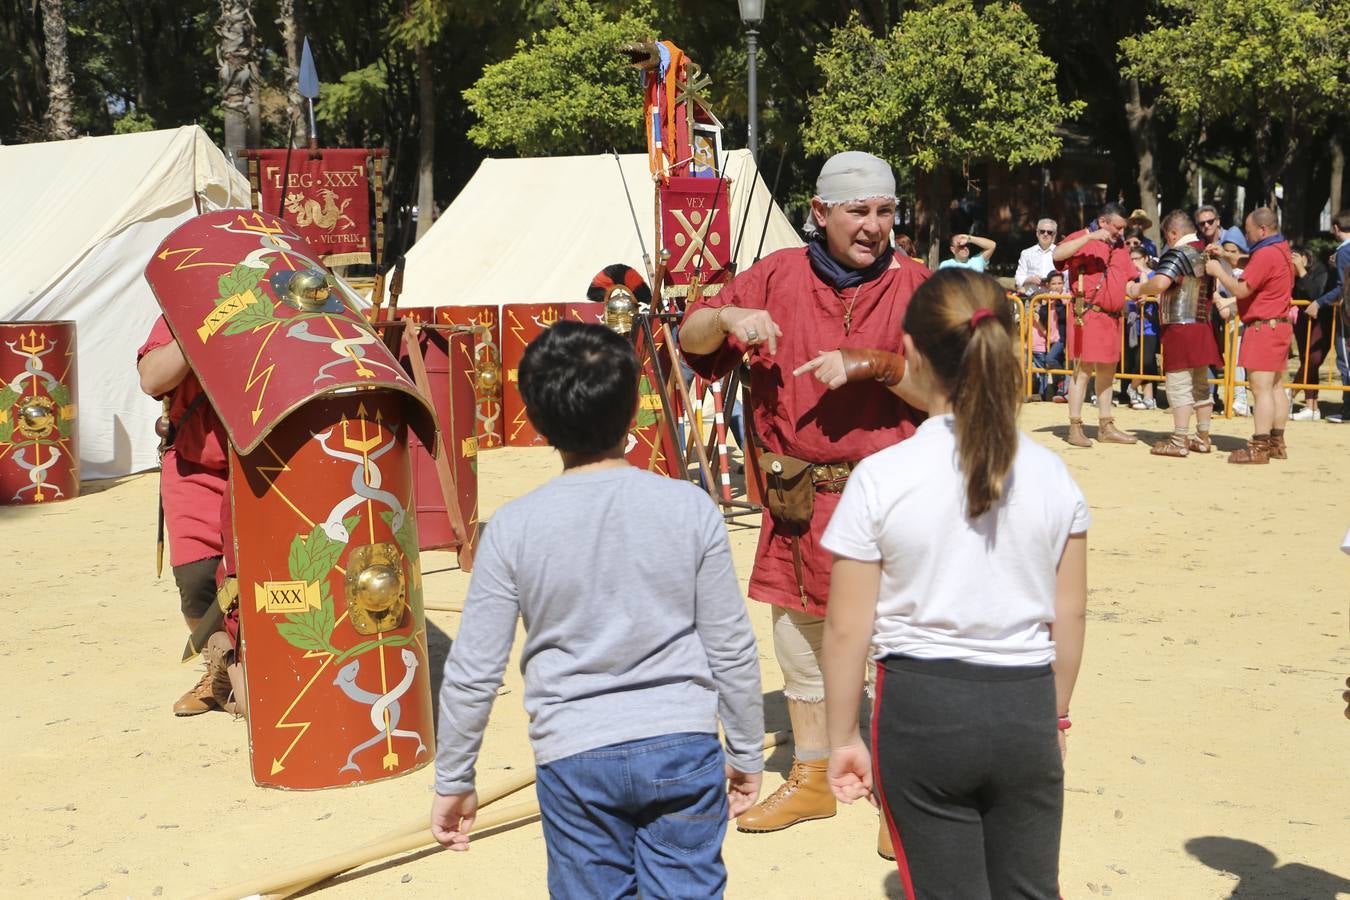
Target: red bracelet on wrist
{"type": "Point", "coordinates": [1064, 723]}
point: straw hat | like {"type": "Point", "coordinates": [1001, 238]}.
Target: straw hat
{"type": "Point", "coordinates": [1140, 218]}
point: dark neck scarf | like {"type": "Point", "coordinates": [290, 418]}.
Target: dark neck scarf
{"type": "Point", "coordinates": [839, 276]}
{"type": "Point", "coordinates": [1266, 242]}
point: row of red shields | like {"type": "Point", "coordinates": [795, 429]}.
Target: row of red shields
{"type": "Point", "coordinates": [500, 338]}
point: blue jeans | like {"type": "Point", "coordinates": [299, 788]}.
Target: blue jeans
{"type": "Point", "coordinates": [1052, 358]}
{"type": "Point", "coordinates": [644, 815]}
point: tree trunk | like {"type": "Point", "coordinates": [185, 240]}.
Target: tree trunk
{"type": "Point", "coordinates": [1139, 118]}
{"type": "Point", "coordinates": [238, 71]}
{"type": "Point", "coordinates": [426, 140]}
{"type": "Point", "coordinates": [60, 84]}
{"type": "Point", "coordinates": [288, 21]}
{"type": "Point", "coordinates": [1337, 173]}
{"type": "Point", "coordinates": [937, 213]}
{"type": "Point", "coordinates": [18, 28]}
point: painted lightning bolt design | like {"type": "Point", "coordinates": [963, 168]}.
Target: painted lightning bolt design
{"type": "Point", "coordinates": [517, 329]}
{"type": "Point", "coordinates": [265, 376]}
{"type": "Point", "coordinates": [269, 473]}
{"type": "Point", "coordinates": [186, 262]}
{"type": "Point", "coordinates": [279, 762]}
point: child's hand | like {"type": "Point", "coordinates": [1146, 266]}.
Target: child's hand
{"type": "Point", "coordinates": [850, 773]}
{"type": "Point", "coordinates": [742, 790]}
{"type": "Point", "coordinates": [451, 818]}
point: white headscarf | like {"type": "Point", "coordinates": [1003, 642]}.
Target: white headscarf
{"type": "Point", "coordinates": [854, 175]}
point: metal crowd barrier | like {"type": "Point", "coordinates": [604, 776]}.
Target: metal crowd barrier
{"type": "Point", "coordinates": [1302, 384]}
{"type": "Point", "coordinates": [1025, 310]}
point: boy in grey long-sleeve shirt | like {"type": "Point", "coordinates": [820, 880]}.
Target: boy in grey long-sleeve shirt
{"type": "Point", "coordinates": [637, 643]}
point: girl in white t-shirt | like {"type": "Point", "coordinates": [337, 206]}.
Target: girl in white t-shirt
{"type": "Point", "coordinates": [960, 558]}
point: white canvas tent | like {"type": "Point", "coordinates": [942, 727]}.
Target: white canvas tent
{"type": "Point", "coordinates": [538, 230]}
{"type": "Point", "coordinates": [84, 218]}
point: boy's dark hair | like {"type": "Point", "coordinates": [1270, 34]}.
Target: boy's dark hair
{"type": "Point", "coordinates": [580, 386]}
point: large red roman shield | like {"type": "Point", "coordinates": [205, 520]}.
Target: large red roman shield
{"type": "Point", "coordinates": [39, 444]}
{"type": "Point", "coordinates": [318, 412]}
{"type": "Point", "coordinates": [334, 643]}
{"type": "Point", "coordinates": [522, 323]}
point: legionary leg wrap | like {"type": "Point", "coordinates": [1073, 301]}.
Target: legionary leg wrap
{"type": "Point", "coordinates": [797, 640]}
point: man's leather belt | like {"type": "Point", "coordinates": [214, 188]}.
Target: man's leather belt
{"type": "Point", "coordinates": [831, 477]}
{"type": "Point", "coordinates": [1256, 324]}
{"type": "Point", "coordinates": [1092, 307]}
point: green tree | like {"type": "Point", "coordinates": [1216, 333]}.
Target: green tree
{"type": "Point", "coordinates": [946, 87]}
{"type": "Point", "coordinates": [1274, 70]}
{"type": "Point", "coordinates": [567, 90]}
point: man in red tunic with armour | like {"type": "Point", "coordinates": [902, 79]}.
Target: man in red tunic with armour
{"type": "Point", "coordinates": [822, 330]}
{"type": "Point", "coordinates": [1099, 268]}
{"type": "Point", "coordinates": [193, 477]}
{"type": "Point", "coordinates": [1264, 296]}
{"type": "Point", "coordinates": [1188, 341]}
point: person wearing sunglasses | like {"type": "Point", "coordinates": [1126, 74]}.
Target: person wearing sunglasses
{"type": "Point", "coordinates": [1037, 261]}
{"type": "Point", "coordinates": [1208, 225]}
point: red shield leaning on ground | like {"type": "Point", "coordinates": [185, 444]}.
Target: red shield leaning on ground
{"type": "Point", "coordinates": [39, 444]}
{"type": "Point", "coordinates": [318, 412]}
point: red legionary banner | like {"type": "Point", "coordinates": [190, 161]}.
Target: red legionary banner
{"type": "Point", "coordinates": [327, 199]}
{"type": "Point", "coordinates": [696, 228]}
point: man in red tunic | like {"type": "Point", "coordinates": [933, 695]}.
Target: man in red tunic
{"type": "Point", "coordinates": [193, 477]}
{"type": "Point", "coordinates": [1188, 345]}
{"type": "Point", "coordinates": [1264, 296]}
{"type": "Point", "coordinates": [822, 329]}
{"type": "Point", "coordinates": [1099, 267]}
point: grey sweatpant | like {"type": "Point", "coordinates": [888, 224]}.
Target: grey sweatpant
{"type": "Point", "coordinates": [968, 766]}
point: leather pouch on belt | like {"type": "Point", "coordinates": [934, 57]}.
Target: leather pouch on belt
{"type": "Point", "coordinates": [790, 493]}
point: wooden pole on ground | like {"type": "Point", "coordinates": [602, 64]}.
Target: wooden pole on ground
{"type": "Point", "coordinates": [412, 838]}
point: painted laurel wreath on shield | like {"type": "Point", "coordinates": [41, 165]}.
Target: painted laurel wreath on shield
{"type": "Point", "coordinates": [59, 395]}
{"type": "Point", "coordinates": [312, 557]}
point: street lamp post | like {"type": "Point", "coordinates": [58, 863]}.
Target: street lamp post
{"type": "Point", "coordinates": [752, 13]}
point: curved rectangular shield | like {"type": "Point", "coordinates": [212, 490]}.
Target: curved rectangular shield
{"type": "Point", "coordinates": [266, 327]}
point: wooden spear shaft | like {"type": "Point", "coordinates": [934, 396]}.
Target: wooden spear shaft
{"type": "Point", "coordinates": [413, 837]}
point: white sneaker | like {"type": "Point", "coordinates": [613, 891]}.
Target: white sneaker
{"type": "Point", "coordinates": [1307, 414]}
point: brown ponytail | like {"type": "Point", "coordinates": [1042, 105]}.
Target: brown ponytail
{"type": "Point", "coordinates": [961, 321]}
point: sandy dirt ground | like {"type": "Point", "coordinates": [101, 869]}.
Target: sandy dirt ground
{"type": "Point", "coordinates": [1209, 755]}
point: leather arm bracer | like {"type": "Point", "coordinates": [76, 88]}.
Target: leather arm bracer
{"type": "Point", "coordinates": [861, 364]}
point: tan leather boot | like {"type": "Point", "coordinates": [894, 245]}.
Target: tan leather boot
{"type": "Point", "coordinates": [804, 796]}
{"type": "Point", "coordinates": [198, 699]}
{"type": "Point", "coordinates": [885, 849]}
{"type": "Point", "coordinates": [1108, 433]}
{"type": "Point", "coordinates": [1077, 437]}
